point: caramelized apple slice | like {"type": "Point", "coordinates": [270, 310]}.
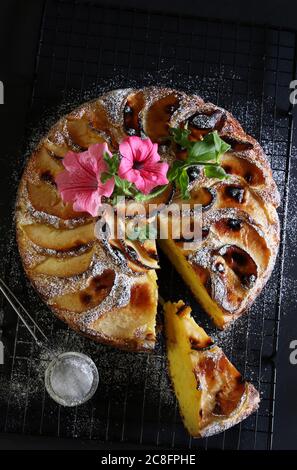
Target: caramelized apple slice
{"type": "Point", "coordinates": [246, 236]}
{"type": "Point", "coordinates": [117, 247]}
{"type": "Point", "coordinates": [81, 133]}
{"type": "Point", "coordinates": [204, 196]}
{"type": "Point", "coordinates": [59, 148]}
{"type": "Point", "coordinates": [158, 116]}
{"type": "Point", "coordinates": [142, 254]}
{"type": "Point", "coordinates": [47, 164]}
{"type": "Point", "coordinates": [45, 198]}
{"type": "Point", "coordinates": [88, 298]}
{"type": "Point", "coordinates": [134, 105]}
{"type": "Point", "coordinates": [65, 267]}
{"type": "Point", "coordinates": [202, 123]}
{"type": "Point", "coordinates": [240, 166]}
{"type": "Point", "coordinates": [49, 237]}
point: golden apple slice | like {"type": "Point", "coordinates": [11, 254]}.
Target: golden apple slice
{"type": "Point", "coordinates": [49, 237]}
{"type": "Point", "coordinates": [46, 163]}
{"type": "Point", "coordinates": [88, 298]}
{"type": "Point", "coordinates": [55, 142]}
{"type": "Point", "coordinates": [81, 133]}
{"type": "Point", "coordinates": [65, 267]}
{"type": "Point", "coordinates": [45, 198]}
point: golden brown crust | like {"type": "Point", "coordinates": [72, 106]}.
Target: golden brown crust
{"type": "Point", "coordinates": [109, 118]}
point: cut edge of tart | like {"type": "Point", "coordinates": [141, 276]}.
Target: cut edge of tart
{"type": "Point", "coordinates": [211, 392]}
{"type": "Point", "coordinates": [190, 277]}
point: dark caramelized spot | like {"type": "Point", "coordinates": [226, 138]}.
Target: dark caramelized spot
{"type": "Point", "coordinates": [103, 281]}
{"type": "Point", "coordinates": [227, 168]}
{"type": "Point", "coordinates": [180, 153]}
{"type": "Point", "coordinates": [85, 298]}
{"type": "Point", "coordinates": [128, 109]}
{"type": "Point", "coordinates": [219, 267]}
{"type": "Point", "coordinates": [141, 296]}
{"type": "Point", "coordinates": [238, 145]}
{"type": "Point", "coordinates": [249, 281]}
{"type": "Point", "coordinates": [217, 410]}
{"type": "Point", "coordinates": [235, 192]}
{"type": "Point", "coordinates": [193, 173]}
{"type": "Point", "coordinates": [205, 232]}
{"type": "Point", "coordinates": [98, 289]}
{"type": "Point", "coordinates": [134, 105]}
{"type": "Point", "coordinates": [171, 108]}
{"type": "Point", "coordinates": [248, 177]}
{"type": "Point", "coordinates": [47, 177]}
{"type": "Point", "coordinates": [202, 123]}
{"type": "Point", "coordinates": [204, 196]}
{"type": "Point", "coordinates": [158, 117]}
{"type": "Point", "coordinates": [232, 388]}
{"type": "Point", "coordinates": [209, 120]}
{"type": "Point", "coordinates": [241, 263]}
{"type": "Point", "coordinates": [132, 254]}
{"type": "Point", "coordinates": [234, 224]}
{"type": "Point", "coordinates": [183, 311]}
{"type": "Point", "coordinates": [199, 345]}
{"type": "Point", "coordinates": [150, 337]}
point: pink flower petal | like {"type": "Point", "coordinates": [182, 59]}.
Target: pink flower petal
{"type": "Point", "coordinates": [140, 164]}
{"type": "Point", "coordinates": [107, 188]}
{"type": "Point", "coordinates": [87, 202]}
{"type": "Point", "coordinates": [125, 167]}
{"type": "Point", "coordinates": [80, 183]}
{"type": "Point", "coordinates": [99, 149]}
{"type": "Point", "coordinates": [70, 161]}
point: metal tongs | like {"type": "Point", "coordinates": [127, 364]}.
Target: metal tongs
{"type": "Point", "coordinates": [29, 322]}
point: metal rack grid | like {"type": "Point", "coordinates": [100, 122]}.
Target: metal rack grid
{"type": "Point", "coordinates": [245, 69]}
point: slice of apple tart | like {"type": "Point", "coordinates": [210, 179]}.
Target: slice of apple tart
{"type": "Point", "coordinates": [212, 394]}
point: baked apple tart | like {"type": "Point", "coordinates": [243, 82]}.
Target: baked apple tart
{"type": "Point", "coordinates": [108, 290]}
{"type": "Point", "coordinates": [212, 394]}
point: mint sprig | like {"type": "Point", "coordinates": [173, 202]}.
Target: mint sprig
{"type": "Point", "coordinates": [206, 152]}
{"type": "Point", "coordinates": [180, 135]}
{"type": "Point", "coordinates": [122, 186]}
{"type": "Point", "coordinates": [113, 164]}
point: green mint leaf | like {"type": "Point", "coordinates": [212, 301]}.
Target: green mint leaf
{"type": "Point", "coordinates": [221, 145]}
{"type": "Point", "coordinates": [123, 186]}
{"type": "Point", "coordinates": [183, 183]}
{"type": "Point", "coordinates": [112, 162]}
{"type": "Point", "coordinates": [209, 149]}
{"type": "Point", "coordinates": [105, 176]}
{"type": "Point", "coordinates": [180, 136]}
{"type": "Point", "coordinates": [174, 170]}
{"type": "Point", "coordinates": [202, 151]}
{"type": "Point", "coordinates": [215, 171]}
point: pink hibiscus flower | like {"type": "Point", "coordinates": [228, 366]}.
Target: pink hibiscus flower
{"type": "Point", "coordinates": [80, 183]}
{"type": "Point", "coordinates": [140, 164]}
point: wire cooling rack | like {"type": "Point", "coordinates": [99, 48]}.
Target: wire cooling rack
{"type": "Point", "coordinates": [85, 49]}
